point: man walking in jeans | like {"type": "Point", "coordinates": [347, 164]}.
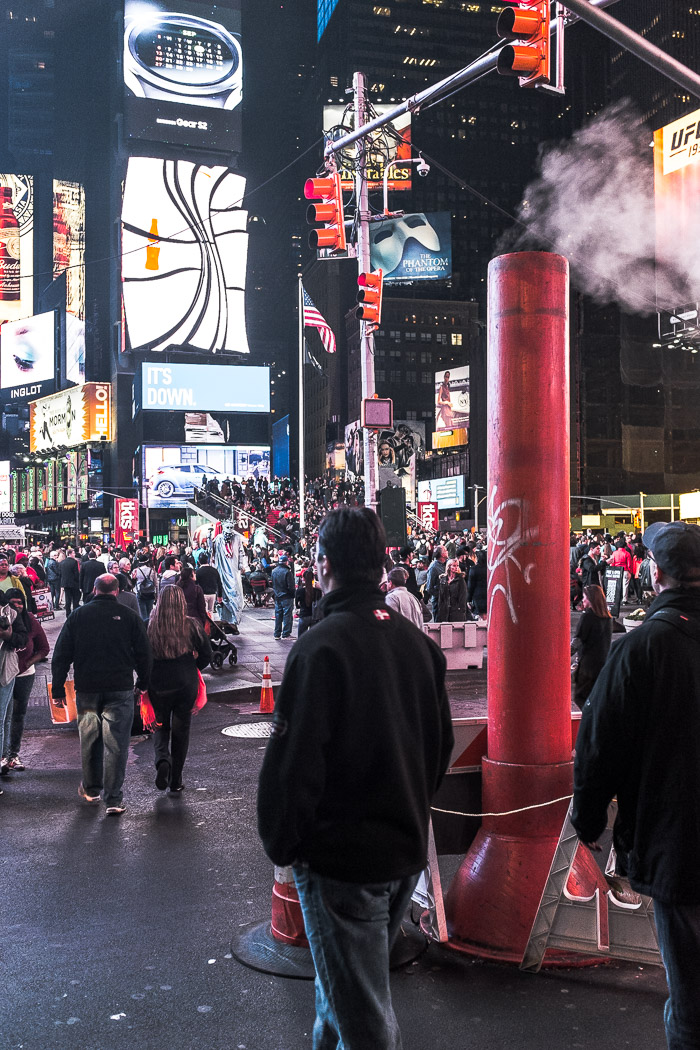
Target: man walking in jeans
{"type": "Point", "coordinates": [106, 643]}
{"type": "Point", "coordinates": [283, 587]}
{"type": "Point", "coordinates": [361, 737]}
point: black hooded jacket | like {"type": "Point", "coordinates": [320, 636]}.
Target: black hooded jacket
{"type": "Point", "coordinates": [361, 739]}
{"type": "Point", "coordinates": [639, 740]}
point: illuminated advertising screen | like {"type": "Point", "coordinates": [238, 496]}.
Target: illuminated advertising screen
{"type": "Point", "coordinates": [397, 451]}
{"type": "Point", "coordinates": [415, 247]}
{"type": "Point", "coordinates": [204, 388]}
{"type": "Point", "coordinates": [280, 448]}
{"type": "Point", "coordinates": [171, 474]}
{"type": "Point", "coordinates": [354, 451]}
{"type": "Point", "coordinates": [184, 256]}
{"type": "Point", "coordinates": [27, 357]}
{"type": "Point", "coordinates": [452, 399]}
{"type": "Point", "coordinates": [677, 211]}
{"type": "Point", "coordinates": [4, 486]}
{"type": "Point", "coordinates": [448, 493]}
{"type": "Point", "coordinates": [16, 247]}
{"type": "Point", "coordinates": [183, 72]}
{"type": "Point", "coordinates": [382, 147]}
{"type": "Point", "coordinates": [69, 258]}
{"type": "Point", "coordinates": [71, 417]}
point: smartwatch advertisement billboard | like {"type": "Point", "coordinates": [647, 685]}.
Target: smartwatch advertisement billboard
{"type": "Point", "coordinates": [172, 473]}
{"type": "Point", "coordinates": [16, 247]}
{"type": "Point", "coordinates": [184, 256]}
{"type": "Point", "coordinates": [452, 399]}
{"type": "Point", "coordinates": [416, 247]}
{"type": "Point", "coordinates": [204, 388]}
{"type": "Point", "coordinates": [183, 73]}
{"type": "Point", "coordinates": [28, 356]}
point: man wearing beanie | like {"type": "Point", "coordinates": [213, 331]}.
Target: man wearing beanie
{"type": "Point", "coordinates": [639, 741]}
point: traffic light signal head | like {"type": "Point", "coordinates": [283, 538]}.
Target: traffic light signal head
{"type": "Point", "coordinates": [330, 212]}
{"type": "Point", "coordinates": [529, 60]}
{"type": "Point", "coordinates": [370, 296]}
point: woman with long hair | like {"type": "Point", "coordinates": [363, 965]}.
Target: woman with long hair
{"type": "Point", "coordinates": [305, 599]}
{"type": "Point", "coordinates": [180, 648]}
{"type": "Point", "coordinates": [452, 596]}
{"type": "Point", "coordinates": [194, 595]}
{"type": "Point", "coordinates": [591, 643]}
{"type": "Point", "coordinates": [37, 648]}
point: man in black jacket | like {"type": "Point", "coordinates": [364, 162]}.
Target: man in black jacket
{"type": "Point", "coordinates": [639, 740]}
{"type": "Point", "coordinates": [89, 571]}
{"type": "Point", "coordinates": [362, 736]}
{"type": "Point", "coordinates": [209, 580]}
{"type": "Point", "coordinates": [106, 643]}
{"type": "Point", "coordinates": [70, 581]}
{"type": "Point", "coordinates": [283, 587]}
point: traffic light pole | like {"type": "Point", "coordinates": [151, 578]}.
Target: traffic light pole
{"type": "Point", "coordinates": [364, 266]}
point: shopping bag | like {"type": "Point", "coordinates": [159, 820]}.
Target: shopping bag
{"type": "Point", "coordinates": [63, 711]}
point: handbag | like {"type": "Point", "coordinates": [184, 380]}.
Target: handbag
{"type": "Point", "coordinates": [201, 694]}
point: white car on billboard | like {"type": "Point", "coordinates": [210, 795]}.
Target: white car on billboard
{"type": "Point", "coordinates": [181, 479]}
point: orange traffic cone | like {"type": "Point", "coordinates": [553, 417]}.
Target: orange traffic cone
{"type": "Point", "coordinates": [267, 700]}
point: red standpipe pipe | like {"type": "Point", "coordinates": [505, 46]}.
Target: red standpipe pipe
{"type": "Point", "coordinates": [493, 899]}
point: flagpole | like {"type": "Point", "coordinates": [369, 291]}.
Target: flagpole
{"type": "Point", "coordinates": [302, 492]}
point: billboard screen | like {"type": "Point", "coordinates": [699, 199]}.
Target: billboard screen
{"type": "Point", "coordinates": [27, 356]}
{"type": "Point", "coordinates": [452, 399]}
{"type": "Point", "coordinates": [416, 247]}
{"type": "Point", "coordinates": [184, 256]}
{"type": "Point", "coordinates": [171, 474]}
{"type": "Point", "coordinates": [280, 448]}
{"type": "Point", "coordinates": [448, 493]}
{"type": "Point", "coordinates": [69, 258]}
{"type": "Point", "coordinates": [354, 451]}
{"type": "Point", "coordinates": [16, 247]}
{"type": "Point", "coordinates": [397, 451]}
{"type": "Point", "coordinates": [183, 72]}
{"type": "Point", "coordinates": [71, 417]}
{"type": "Point", "coordinates": [205, 388]}
{"type": "Point", "coordinates": [677, 212]}
{"type": "Point", "coordinates": [381, 147]}
{"type": "Point", "coordinates": [4, 486]}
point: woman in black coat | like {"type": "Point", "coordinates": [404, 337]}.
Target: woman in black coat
{"type": "Point", "coordinates": [477, 586]}
{"type": "Point", "coordinates": [452, 596]}
{"type": "Point", "coordinates": [591, 643]}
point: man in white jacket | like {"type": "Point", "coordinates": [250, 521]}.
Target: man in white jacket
{"type": "Point", "coordinates": [399, 598]}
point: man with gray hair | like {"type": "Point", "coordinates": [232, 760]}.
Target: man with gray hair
{"type": "Point", "coordinates": [106, 643]}
{"type": "Point", "coordinates": [399, 598]}
{"type": "Point", "coordinates": [639, 740]}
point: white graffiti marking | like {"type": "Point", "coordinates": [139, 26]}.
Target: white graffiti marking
{"type": "Point", "coordinates": [502, 549]}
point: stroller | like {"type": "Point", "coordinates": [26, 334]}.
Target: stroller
{"type": "Point", "coordinates": [221, 645]}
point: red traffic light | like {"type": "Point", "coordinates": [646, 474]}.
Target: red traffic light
{"type": "Point", "coordinates": [370, 296]}
{"type": "Point", "coordinates": [530, 60]}
{"type": "Point", "coordinates": [330, 212]}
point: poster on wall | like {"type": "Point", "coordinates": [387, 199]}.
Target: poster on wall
{"type": "Point", "coordinates": [184, 256]}
{"type": "Point", "coordinates": [416, 247]}
{"type": "Point", "coordinates": [172, 473]}
{"type": "Point", "coordinates": [381, 147]}
{"type": "Point", "coordinates": [452, 399]}
{"type": "Point", "coordinates": [183, 72]}
{"type": "Point", "coordinates": [397, 452]}
{"type": "Point", "coordinates": [16, 247]}
{"type": "Point", "coordinates": [27, 357]}
{"type": "Point", "coordinates": [354, 452]}
{"type": "Point", "coordinates": [69, 258]}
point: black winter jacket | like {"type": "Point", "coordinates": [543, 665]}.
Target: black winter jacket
{"type": "Point", "coordinates": [70, 573]}
{"type": "Point", "coordinates": [639, 739]}
{"type": "Point", "coordinates": [362, 737]}
{"type": "Point", "coordinates": [106, 643]}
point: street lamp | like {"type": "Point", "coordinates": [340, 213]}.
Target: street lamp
{"type": "Point", "coordinates": [477, 489]}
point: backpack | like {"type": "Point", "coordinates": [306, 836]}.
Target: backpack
{"type": "Point", "coordinates": [644, 575]}
{"type": "Point", "coordinates": [145, 587]}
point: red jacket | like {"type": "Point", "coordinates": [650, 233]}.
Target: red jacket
{"type": "Point", "coordinates": [622, 558]}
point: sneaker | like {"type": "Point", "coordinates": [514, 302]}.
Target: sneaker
{"type": "Point", "coordinates": [16, 764]}
{"type": "Point", "coordinates": [162, 774]}
{"type": "Point", "coordinates": [83, 794]}
{"type": "Point", "coordinates": [177, 790]}
{"type": "Point", "coordinates": [115, 810]}
{"type": "Point", "coordinates": [4, 768]}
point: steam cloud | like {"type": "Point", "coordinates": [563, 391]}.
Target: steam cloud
{"type": "Point", "coordinates": [593, 202]}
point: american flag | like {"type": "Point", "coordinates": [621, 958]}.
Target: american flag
{"type": "Point", "coordinates": [313, 318]}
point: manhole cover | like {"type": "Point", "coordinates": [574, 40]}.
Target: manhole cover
{"type": "Point", "coordinates": [250, 729]}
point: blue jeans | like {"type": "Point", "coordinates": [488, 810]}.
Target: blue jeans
{"type": "Point", "coordinates": [678, 932]}
{"type": "Point", "coordinates": [351, 928]}
{"type": "Point", "coordinates": [146, 604]}
{"type": "Point", "coordinates": [104, 725]}
{"type": "Point", "coordinates": [5, 714]}
{"type": "Point", "coordinates": [283, 616]}
{"type": "Point", "coordinates": [20, 700]}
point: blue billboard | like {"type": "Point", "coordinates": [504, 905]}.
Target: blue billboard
{"type": "Point", "coordinates": [204, 388]}
{"type": "Point", "coordinates": [415, 247]}
{"type": "Point", "coordinates": [280, 448]}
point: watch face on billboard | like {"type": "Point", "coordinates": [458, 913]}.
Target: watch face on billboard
{"type": "Point", "coordinates": [172, 473]}
{"type": "Point", "coordinates": [184, 256]}
{"type": "Point", "coordinates": [416, 247]}
{"type": "Point", "coordinates": [452, 399]}
{"type": "Point", "coordinates": [183, 72]}
{"type": "Point", "coordinates": [16, 246]}
{"type": "Point", "coordinates": [27, 356]}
